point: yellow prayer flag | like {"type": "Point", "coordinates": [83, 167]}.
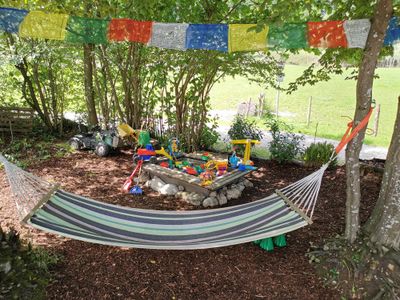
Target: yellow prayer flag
{"type": "Point", "coordinates": [40, 25]}
{"type": "Point", "coordinates": [243, 39]}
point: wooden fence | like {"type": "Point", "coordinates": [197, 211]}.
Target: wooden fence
{"type": "Point", "coordinates": [16, 119]}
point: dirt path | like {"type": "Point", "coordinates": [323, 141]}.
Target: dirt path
{"type": "Point", "coordinates": [89, 271]}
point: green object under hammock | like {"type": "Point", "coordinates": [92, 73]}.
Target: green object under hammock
{"type": "Point", "coordinates": [44, 206]}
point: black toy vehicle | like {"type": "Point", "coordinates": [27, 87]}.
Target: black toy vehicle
{"type": "Point", "coordinates": [101, 141]}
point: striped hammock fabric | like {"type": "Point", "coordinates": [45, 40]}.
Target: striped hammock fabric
{"type": "Point", "coordinates": [44, 206]}
{"type": "Point", "coordinates": [92, 221]}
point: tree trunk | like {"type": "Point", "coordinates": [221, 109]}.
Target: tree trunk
{"type": "Point", "coordinates": [384, 224]}
{"type": "Point", "coordinates": [382, 14]}
{"type": "Point", "coordinates": [89, 90]}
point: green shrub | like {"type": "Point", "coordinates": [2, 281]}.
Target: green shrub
{"type": "Point", "coordinates": [318, 154]}
{"type": "Point", "coordinates": [24, 271]}
{"type": "Point", "coordinates": [209, 137]}
{"type": "Point", "coordinates": [243, 128]}
{"type": "Point", "coordinates": [285, 145]}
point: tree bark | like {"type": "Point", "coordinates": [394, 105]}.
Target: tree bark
{"type": "Point", "coordinates": [384, 224]}
{"type": "Point", "coordinates": [382, 14]}
{"type": "Point", "coordinates": [89, 90]}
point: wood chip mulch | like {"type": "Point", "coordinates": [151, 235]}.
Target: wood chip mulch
{"type": "Point", "coordinates": [90, 271]}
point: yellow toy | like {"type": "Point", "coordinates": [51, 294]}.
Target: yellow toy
{"type": "Point", "coordinates": [247, 150]}
{"type": "Point", "coordinates": [163, 152]}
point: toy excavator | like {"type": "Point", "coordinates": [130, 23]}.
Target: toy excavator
{"type": "Point", "coordinates": [247, 150]}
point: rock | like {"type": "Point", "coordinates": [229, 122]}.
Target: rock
{"type": "Point", "coordinates": [210, 202]}
{"type": "Point", "coordinates": [195, 199]}
{"type": "Point", "coordinates": [391, 267]}
{"type": "Point", "coordinates": [169, 189]}
{"type": "Point", "coordinates": [181, 188]}
{"type": "Point", "coordinates": [233, 194]}
{"type": "Point", "coordinates": [213, 194]}
{"type": "Point", "coordinates": [241, 187]}
{"type": "Point", "coordinates": [156, 184]}
{"type": "Point", "coordinates": [222, 199]}
{"type": "Point", "coordinates": [144, 177]}
{"type": "Point", "coordinates": [247, 183]}
{"type": "Point", "coordinates": [184, 195]}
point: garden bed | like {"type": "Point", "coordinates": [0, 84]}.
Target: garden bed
{"type": "Point", "coordinates": [243, 271]}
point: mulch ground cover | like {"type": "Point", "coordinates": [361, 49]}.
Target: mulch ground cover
{"type": "Point", "coordinates": [90, 271]}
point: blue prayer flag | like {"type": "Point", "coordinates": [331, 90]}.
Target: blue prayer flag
{"type": "Point", "coordinates": [207, 36]}
{"type": "Point", "coordinates": [392, 32]}
{"type": "Point", "coordinates": [10, 18]}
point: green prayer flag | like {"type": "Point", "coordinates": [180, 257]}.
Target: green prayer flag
{"type": "Point", "coordinates": [288, 36]}
{"type": "Point", "coordinates": [86, 31]}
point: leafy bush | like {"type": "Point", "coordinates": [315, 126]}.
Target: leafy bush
{"type": "Point", "coordinates": [243, 128]}
{"type": "Point", "coordinates": [24, 272]}
{"type": "Point", "coordinates": [209, 137]}
{"type": "Point", "coordinates": [285, 145]}
{"type": "Point", "coordinates": [318, 154]}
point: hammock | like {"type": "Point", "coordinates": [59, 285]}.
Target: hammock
{"type": "Point", "coordinates": [43, 205]}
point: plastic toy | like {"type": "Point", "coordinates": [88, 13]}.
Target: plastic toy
{"type": "Point", "coordinates": [247, 150]}
{"type": "Point", "coordinates": [233, 160]}
{"type": "Point", "coordinates": [173, 148]}
{"type": "Point", "coordinates": [222, 168]}
{"type": "Point", "coordinates": [243, 167]}
{"type": "Point", "coordinates": [207, 177]}
{"type": "Point", "coordinates": [199, 169]}
{"type": "Point", "coordinates": [164, 164]}
{"type": "Point", "coordinates": [136, 190]}
{"type": "Point", "coordinates": [128, 182]}
{"type": "Point", "coordinates": [205, 156]}
{"type": "Point", "coordinates": [149, 154]}
{"type": "Point", "coordinates": [190, 170]}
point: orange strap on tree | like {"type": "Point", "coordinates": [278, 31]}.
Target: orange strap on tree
{"type": "Point", "coordinates": [348, 136]}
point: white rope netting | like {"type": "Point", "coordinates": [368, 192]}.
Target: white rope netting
{"type": "Point", "coordinates": [29, 191]}
{"type": "Point", "coordinates": [303, 194]}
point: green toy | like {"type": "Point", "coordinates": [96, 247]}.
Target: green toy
{"type": "Point", "coordinates": [144, 138]}
{"type": "Point", "coordinates": [268, 243]}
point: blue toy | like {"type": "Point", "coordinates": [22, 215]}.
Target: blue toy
{"type": "Point", "coordinates": [234, 160]}
{"type": "Point", "coordinates": [243, 167]}
{"type": "Point", "coordinates": [136, 190]}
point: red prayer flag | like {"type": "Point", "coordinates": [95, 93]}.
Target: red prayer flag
{"type": "Point", "coordinates": [327, 34]}
{"type": "Point", "coordinates": [129, 30]}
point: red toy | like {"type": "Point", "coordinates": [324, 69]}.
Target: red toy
{"type": "Point", "coordinates": [190, 170]}
{"type": "Point", "coordinates": [128, 182]}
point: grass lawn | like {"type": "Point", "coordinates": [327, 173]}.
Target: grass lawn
{"type": "Point", "coordinates": [331, 101]}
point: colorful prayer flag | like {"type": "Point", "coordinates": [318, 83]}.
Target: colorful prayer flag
{"type": "Point", "coordinates": [86, 31]}
{"type": "Point", "coordinates": [41, 25]}
{"type": "Point", "coordinates": [288, 36]}
{"type": "Point", "coordinates": [129, 30]}
{"type": "Point", "coordinates": [357, 32]}
{"type": "Point", "coordinates": [326, 34]}
{"type": "Point", "coordinates": [169, 35]}
{"type": "Point", "coordinates": [207, 36]}
{"type": "Point", "coordinates": [11, 18]}
{"type": "Point", "coordinates": [392, 32]}
{"type": "Point", "coordinates": [244, 37]}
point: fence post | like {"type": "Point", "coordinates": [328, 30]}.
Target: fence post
{"type": "Point", "coordinates": [309, 111]}
{"type": "Point", "coordinates": [248, 108]}
{"type": "Point", "coordinates": [376, 122]}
